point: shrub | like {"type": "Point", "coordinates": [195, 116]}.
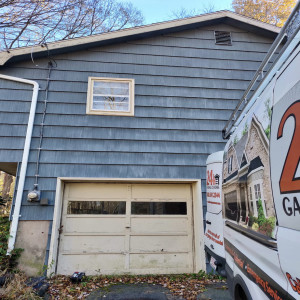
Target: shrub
{"type": "Point", "coordinates": [268, 131]}
{"type": "Point", "coordinates": [7, 262]}
{"type": "Point", "coordinates": [261, 216]}
{"type": "Point", "coordinates": [266, 228]}
{"type": "Point", "coordinates": [252, 220]}
{"type": "Point", "coordinates": [255, 226]}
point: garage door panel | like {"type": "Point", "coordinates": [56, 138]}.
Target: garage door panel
{"type": "Point", "coordinates": [161, 191]}
{"type": "Point", "coordinates": [95, 224]}
{"type": "Point", "coordinates": [94, 244]}
{"type": "Point", "coordinates": [92, 264]}
{"type": "Point", "coordinates": [175, 261]}
{"type": "Point", "coordinates": [159, 224]}
{"type": "Point", "coordinates": [164, 270]}
{"type": "Point", "coordinates": [159, 244]}
{"type": "Point", "coordinates": [98, 191]}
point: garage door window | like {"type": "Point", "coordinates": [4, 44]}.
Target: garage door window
{"type": "Point", "coordinates": [96, 207]}
{"type": "Point", "coordinates": [158, 208]}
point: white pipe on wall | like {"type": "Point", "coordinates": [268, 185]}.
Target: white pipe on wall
{"type": "Point", "coordinates": [18, 199]}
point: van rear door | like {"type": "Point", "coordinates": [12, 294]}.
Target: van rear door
{"type": "Point", "coordinates": [214, 243]}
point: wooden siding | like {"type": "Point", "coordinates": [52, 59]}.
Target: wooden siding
{"type": "Point", "coordinates": [186, 88]}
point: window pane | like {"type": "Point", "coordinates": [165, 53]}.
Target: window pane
{"type": "Point", "coordinates": [111, 95]}
{"type": "Point", "coordinates": [111, 88]}
{"type": "Point", "coordinates": [96, 207]}
{"type": "Point", "coordinates": [231, 206]}
{"type": "Point", "coordinates": [252, 209]}
{"type": "Point", "coordinates": [111, 103]}
{"type": "Point", "coordinates": [258, 191]}
{"type": "Point", "coordinates": [230, 164]}
{"type": "Point", "coordinates": [158, 208]}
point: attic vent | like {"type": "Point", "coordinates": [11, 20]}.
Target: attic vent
{"type": "Point", "coordinates": [223, 38]}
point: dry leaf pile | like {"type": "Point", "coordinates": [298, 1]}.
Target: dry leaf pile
{"type": "Point", "coordinates": [187, 286]}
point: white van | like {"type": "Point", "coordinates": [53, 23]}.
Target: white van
{"type": "Point", "coordinates": [261, 183]}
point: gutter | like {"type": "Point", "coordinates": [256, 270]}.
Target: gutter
{"type": "Point", "coordinates": [23, 169]}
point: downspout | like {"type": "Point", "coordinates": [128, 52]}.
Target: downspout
{"type": "Point", "coordinates": [23, 169]}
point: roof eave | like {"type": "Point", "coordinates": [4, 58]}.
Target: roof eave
{"type": "Point", "coordinates": [139, 32]}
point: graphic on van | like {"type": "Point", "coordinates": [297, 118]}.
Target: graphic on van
{"type": "Point", "coordinates": [247, 192]}
{"type": "Point", "coordinates": [295, 283]}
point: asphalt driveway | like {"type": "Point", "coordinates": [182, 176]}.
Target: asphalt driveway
{"type": "Point", "coordinates": [155, 292]}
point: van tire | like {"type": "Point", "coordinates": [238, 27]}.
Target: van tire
{"type": "Point", "coordinates": [240, 290]}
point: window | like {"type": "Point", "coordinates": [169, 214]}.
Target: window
{"type": "Point", "coordinates": [158, 208]}
{"type": "Point", "coordinates": [96, 207]}
{"type": "Point", "coordinates": [231, 206]}
{"type": "Point", "coordinates": [110, 96]}
{"type": "Point", "coordinates": [230, 164]}
{"type": "Point", "coordinates": [250, 193]}
{"type": "Point", "coordinates": [257, 194]}
{"type": "Point", "coordinates": [251, 201]}
{"type": "Point", "coordinates": [257, 191]}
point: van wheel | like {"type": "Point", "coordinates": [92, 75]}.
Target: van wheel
{"type": "Point", "coordinates": [241, 291]}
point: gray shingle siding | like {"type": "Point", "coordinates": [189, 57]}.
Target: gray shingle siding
{"type": "Point", "coordinates": [186, 88]}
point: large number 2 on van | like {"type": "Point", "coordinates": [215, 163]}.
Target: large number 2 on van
{"type": "Point", "coordinates": [288, 181]}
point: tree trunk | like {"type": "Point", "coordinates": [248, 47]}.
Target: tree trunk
{"type": "Point", "coordinates": [7, 182]}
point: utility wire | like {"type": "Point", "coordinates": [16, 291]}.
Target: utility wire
{"type": "Point", "coordinates": [50, 67]}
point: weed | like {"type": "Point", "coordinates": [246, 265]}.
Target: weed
{"type": "Point", "coordinates": [8, 263]}
{"type": "Point", "coordinates": [17, 289]}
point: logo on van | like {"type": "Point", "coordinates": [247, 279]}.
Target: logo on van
{"type": "Point", "coordinates": [295, 283]}
{"type": "Point", "coordinates": [212, 179]}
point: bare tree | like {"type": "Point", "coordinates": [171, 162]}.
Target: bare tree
{"type": "Point", "coordinates": [186, 13]}
{"type": "Point", "coordinates": [27, 22]}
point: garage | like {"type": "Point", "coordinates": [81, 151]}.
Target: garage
{"type": "Point", "coordinates": [121, 228]}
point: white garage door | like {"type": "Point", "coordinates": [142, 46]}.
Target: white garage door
{"type": "Point", "coordinates": [126, 229]}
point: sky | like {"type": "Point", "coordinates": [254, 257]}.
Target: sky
{"type": "Point", "coordinates": [161, 10]}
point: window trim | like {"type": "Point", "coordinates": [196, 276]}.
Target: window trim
{"type": "Point", "coordinates": [89, 105]}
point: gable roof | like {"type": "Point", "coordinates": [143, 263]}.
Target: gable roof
{"type": "Point", "coordinates": [255, 163]}
{"type": "Point", "coordinates": [145, 31]}
{"type": "Point", "coordinates": [240, 147]}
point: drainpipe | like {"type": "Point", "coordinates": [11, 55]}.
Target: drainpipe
{"type": "Point", "coordinates": [18, 199]}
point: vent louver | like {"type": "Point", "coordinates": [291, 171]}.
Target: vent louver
{"type": "Point", "coordinates": [223, 38]}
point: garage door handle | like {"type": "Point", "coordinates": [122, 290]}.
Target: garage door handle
{"type": "Point", "coordinates": [127, 227]}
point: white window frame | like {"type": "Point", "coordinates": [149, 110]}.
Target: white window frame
{"type": "Point", "coordinates": [89, 107]}
{"type": "Point", "coordinates": [254, 196]}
